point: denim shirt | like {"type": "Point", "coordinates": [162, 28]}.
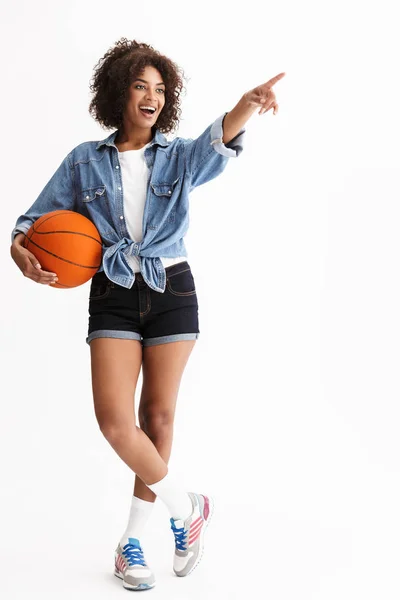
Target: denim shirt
{"type": "Point", "coordinates": [89, 182]}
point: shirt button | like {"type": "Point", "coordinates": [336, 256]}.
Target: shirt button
{"type": "Point", "coordinates": [121, 217]}
{"type": "Point", "coordinates": [169, 192]}
{"type": "Point", "coordinates": [87, 197]}
{"type": "Point", "coordinates": [119, 188]}
{"type": "Point", "coordinates": [117, 167]}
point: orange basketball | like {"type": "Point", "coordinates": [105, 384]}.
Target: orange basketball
{"type": "Point", "coordinates": [68, 244]}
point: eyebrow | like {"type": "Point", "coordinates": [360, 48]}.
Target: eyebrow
{"type": "Point", "coordinates": [144, 81]}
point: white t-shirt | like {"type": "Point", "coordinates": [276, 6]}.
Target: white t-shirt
{"type": "Point", "coordinates": [135, 176]}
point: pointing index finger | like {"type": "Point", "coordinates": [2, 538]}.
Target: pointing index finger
{"type": "Point", "coordinates": [273, 81]}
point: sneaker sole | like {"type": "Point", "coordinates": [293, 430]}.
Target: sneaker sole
{"type": "Point", "coordinates": [128, 586]}
{"type": "Point", "coordinates": [203, 530]}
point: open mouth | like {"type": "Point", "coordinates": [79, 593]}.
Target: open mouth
{"type": "Point", "coordinates": [148, 111]}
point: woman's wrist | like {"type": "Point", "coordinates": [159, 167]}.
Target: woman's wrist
{"type": "Point", "coordinates": [18, 240]}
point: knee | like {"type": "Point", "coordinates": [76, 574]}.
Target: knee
{"type": "Point", "coordinates": [115, 429]}
{"type": "Point", "coordinates": [157, 424]}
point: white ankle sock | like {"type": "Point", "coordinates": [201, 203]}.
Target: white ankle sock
{"type": "Point", "coordinates": [176, 500]}
{"type": "Point", "coordinates": [139, 514]}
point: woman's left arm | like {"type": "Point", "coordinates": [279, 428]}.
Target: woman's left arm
{"type": "Point", "coordinates": [261, 96]}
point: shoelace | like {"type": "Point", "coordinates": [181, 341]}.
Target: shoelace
{"type": "Point", "coordinates": [180, 536]}
{"type": "Point", "coordinates": [134, 555]}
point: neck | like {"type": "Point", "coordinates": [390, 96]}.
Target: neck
{"type": "Point", "coordinates": [133, 138]}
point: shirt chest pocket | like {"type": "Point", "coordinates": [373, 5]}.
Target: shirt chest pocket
{"type": "Point", "coordinates": [96, 204]}
{"type": "Point", "coordinates": [164, 200]}
{"type": "Point", "coordinates": [93, 193]}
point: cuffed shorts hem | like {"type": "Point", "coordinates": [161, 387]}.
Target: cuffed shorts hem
{"type": "Point", "coordinates": [132, 335]}
{"type": "Point", "coordinates": [112, 333]}
{"type": "Point", "coordinates": [164, 339]}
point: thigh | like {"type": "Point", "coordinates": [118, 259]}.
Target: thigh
{"type": "Point", "coordinates": [115, 366]}
{"type": "Point", "coordinates": [163, 367]}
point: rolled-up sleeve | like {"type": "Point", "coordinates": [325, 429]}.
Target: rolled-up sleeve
{"type": "Point", "coordinates": [232, 148]}
{"type": "Point", "coordinates": [58, 194]}
{"type": "Point", "coordinates": [207, 155]}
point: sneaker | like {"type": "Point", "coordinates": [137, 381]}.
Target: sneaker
{"type": "Point", "coordinates": [189, 535]}
{"type": "Point", "coordinates": [131, 567]}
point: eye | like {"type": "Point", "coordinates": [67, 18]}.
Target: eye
{"type": "Point", "coordinates": [141, 85]}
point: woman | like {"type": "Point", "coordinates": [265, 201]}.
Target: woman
{"type": "Point", "coordinates": [143, 311]}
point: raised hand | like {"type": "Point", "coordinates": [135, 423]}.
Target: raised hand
{"type": "Point", "coordinates": [263, 95]}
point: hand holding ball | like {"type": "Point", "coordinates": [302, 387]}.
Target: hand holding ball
{"type": "Point", "coordinates": [67, 243]}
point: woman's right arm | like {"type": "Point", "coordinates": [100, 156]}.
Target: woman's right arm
{"type": "Point", "coordinates": [58, 194]}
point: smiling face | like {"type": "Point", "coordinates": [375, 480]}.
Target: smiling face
{"type": "Point", "coordinates": [148, 90]}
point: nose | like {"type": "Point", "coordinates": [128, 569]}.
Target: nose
{"type": "Point", "coordinates": [151, 95]}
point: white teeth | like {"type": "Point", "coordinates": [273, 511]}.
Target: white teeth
{"type": "Point", "coordinates": [149, 107]}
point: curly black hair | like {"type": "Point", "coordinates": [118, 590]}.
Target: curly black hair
{"type": "Point", "coordinates": [113, 75]}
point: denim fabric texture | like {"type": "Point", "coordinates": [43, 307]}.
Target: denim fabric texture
{"type": "Point", "coordinates": [142, 314]}
{"type": "Point", "coordinates": [88, 181]}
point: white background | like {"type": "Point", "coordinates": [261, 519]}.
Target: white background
{"type": "Point", "coordinates": [288, 411]}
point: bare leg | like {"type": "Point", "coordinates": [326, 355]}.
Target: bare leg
{"type": "Point", "coordinates": [115, 367]}
{"type": "Point", "coordinates": [163, 367]}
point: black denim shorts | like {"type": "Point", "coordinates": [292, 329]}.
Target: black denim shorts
{"type": "Point", "coordinates": [141, 313]}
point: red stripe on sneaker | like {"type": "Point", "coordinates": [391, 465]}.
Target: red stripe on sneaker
{"type": "Point", "coordinates": [195, 526]}
{"type": "Point", "coordinates": [194, 538]}
{"type": "Point", "coordinates": [206, 510]}
{"type": "Point", "coordinates": [195, 534]}
{"type": "Point", "coordinates": [195, 529]}
{"type": "Point", "coordinates": [195, 523]}
{"type": "Point", "coordinates": [119, 563]}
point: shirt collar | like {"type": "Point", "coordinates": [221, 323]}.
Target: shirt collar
{"type": "Point", "coordinates": [158, 138]}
